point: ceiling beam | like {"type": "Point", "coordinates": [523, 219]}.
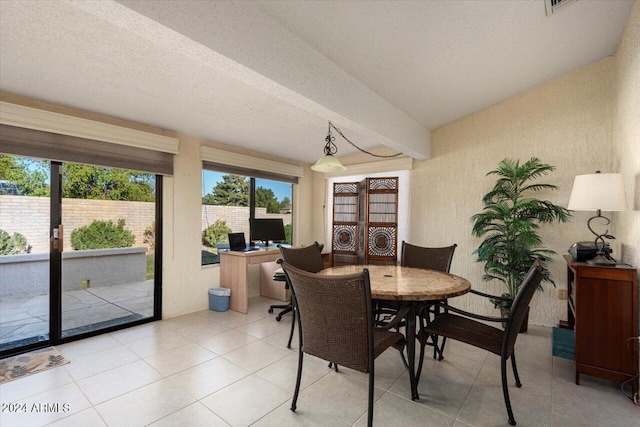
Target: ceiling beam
{"type": "Point", "coordinates": [240, 40]}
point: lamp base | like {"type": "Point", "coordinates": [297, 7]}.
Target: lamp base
{"type": "Point", "coordinates": [600, 259]}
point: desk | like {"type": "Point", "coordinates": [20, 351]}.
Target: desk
{"type": "Point", "coordinates": [410, 286]}
{"type": "Point", "coordinates": [234, 271]}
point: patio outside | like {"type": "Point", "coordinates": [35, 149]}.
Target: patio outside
{"type": "Point", "coordinates": [84, 310]}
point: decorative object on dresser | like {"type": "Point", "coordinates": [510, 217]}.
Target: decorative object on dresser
{"type": "Point", "coordinates": [602, 309]}
{"type": "Point", "coordinates": [599, 192]}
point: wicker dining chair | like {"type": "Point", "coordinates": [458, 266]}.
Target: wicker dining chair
{"type": "Point", "coordinates": [335, 320]}
{"type": "Point", "coordinates": [307, 258]}
{"type": "Point", "coordinates": [495, 340]}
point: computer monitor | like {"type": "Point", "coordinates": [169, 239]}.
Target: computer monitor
{"type": "Point", "coordinates": [267, 229]}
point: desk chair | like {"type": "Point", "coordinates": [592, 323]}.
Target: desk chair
{"type": "Point", "coordinates": [478, 334]}
{"type": "Point", "coordinates": [335, 320]}
{"type": "Point", "coordinates": [307, 258]}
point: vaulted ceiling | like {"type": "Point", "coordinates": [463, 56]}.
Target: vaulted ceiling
{"type": "Point", "coordinates": [268, 75]}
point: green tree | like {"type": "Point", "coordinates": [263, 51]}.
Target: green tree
{"type": "Point", "coordinates": [286, 202]}
{"type": "Point", "coordinates": [13, 244]}
{"type": "Point", "coordinates": [30, 176]}
{"type": "Point", "coordinates": [102, 235]}
{"type": "Point", "coordinates": [510, 220]}
{"type": "Point", "coordinates": [215, 233]}
{"type": "Point", "coordinates": [265, 198]}
{"type": "Point", "coordinates": [233, 190]}
{"type": "Point", "coordinates": [95, 182]}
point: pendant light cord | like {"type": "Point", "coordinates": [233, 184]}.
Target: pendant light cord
{"type": "Point", "coordinates": [329, 137]}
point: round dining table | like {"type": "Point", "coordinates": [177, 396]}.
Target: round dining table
{"type": "Point", "coordinates": [411, 287]}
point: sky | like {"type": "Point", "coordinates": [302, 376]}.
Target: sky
{"type": "Point", "coordinates": [280, 189]}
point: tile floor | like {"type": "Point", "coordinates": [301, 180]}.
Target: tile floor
{"type": "Point", "coordinates": [220, 369]}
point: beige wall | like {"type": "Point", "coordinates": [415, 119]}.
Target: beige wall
{"type": "Point", "coordinates": [566, 123]}
{"type": "Point", "coordinates": [626, 135]}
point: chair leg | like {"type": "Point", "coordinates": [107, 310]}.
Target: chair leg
{"type": "Point", "coordinates": [423, 343]}
{"type": "Point", "coordinates": [295, 394]}
{"type": "Point", "coordinates": [444, 339]}
{"type": "Point", "coordinates": [439, 348]}
{"type": "Point", "coordinates": [505, 390]}
{"type": "Point", "coordinates": [370, 407]}
{"type": "Point", "coordinates": [293, 326]}
{"type": "Point", "coordinates": [515, 369]}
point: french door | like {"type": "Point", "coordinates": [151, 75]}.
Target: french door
{"type": "Point", "coordinates": [91, 259]}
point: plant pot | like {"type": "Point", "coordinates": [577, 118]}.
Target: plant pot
{"type": "Point", "coordinates": [504, 312]}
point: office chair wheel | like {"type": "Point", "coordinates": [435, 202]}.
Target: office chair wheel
{"type": "Point", "coordinates": [278, 317]}
{"type": "Point", "coordinates": [270, 310]}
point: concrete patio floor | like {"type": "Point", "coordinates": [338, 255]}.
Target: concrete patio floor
{"type": "Point", "coordinates": [82, 310]}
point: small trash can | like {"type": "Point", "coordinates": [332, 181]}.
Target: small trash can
{"type": "Point", "coordinates": [219, 299]}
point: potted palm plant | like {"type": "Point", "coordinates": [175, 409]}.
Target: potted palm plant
{"type": "Point", "coordinates": [509, 225]}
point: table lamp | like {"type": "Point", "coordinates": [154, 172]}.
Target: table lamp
{"type": "Point", "coordinates": [599, 192]}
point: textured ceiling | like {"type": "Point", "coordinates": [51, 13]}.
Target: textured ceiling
{"type": "Point", "coordinates": [267, 75]}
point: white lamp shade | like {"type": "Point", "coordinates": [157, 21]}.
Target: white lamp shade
{"type": "Point", "coordinates": [604, 191]}
{"type": "Point", "coordinates": [328, 164]}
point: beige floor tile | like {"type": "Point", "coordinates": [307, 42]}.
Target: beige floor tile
{"type": "Point", "coordinates": [460, 349]}
{"type": "Point", "coordinates": [306, 415]}
{"type": "Point", "coordinates": [115, 382]}
{"type": "Point", "coordinates": [388, 370]}
{"type": "Point", "coordinates": [340, 395]}
{"type": "Point", "coordinates": [87, 346]}
{"type": "Point", "coordinates": [256, 355]}
{"type": "Point", "coordinates": [227, 341]}
{"type": "Point", "coordinates": [201, 330]}
{"type": "Point", "coordinates": [94, 363]}
{"type": "Point", "coordinates": [157, 343]}
{"type": "Point", "coordinates": [137, 333]}
{"type": "Point", "coordinates": [594, 401]}
{"type": "Point", "coordinates": [33, 384]}
{"type": "Point", "coordinates": [282, 338]}
{"type": "Point", "coordinates": [178, 322]}
{"type": "Point", "coordinates": [444, 397]}
{"type": "Point", "coordinates": [246, 401]}
{"type": "Point", "coordinates": [232, 318]}
{"type": "Point", "coordinates": [195, 414]}
{"type": "Point", "coordinates": [88, 417]}
{"type": "Point", "coordinates": [284, 372]}
{"type": "Point", "coordinates": [454, 367]}
{"type": "Point", "coordinates": [265, 327]}
{"type": "Point", "coordinates": [485, 407]}
{"type": "Point", "coordinates": [46, 407]}
{"type": "Point", "coordinates": [208, 377]}
{"type": "Point", "coordinates": [391, 410]}
{"type": "Point", "coordinates": [181, 358]}
{"type": "Point", "coordinates": [144, 405]}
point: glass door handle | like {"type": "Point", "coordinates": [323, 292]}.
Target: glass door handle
{"type": "Point", "coordinates": [58, 238]}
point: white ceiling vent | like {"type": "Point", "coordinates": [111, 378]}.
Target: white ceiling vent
{"type": "Point", "coordinates": [552, 6]}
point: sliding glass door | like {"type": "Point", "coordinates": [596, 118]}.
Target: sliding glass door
{"type": "Point", "coordinates": [24, 252]}
{"type": "Point", "coordinates": [78, 251]}
{"type": "Point", "coordinates": [107, 276]}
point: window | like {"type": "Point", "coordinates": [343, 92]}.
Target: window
{"type": "Point", "coordinates": [229, 200]}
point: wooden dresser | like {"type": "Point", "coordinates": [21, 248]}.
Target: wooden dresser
{"type": "Point", "coordinates": [603, 311]}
